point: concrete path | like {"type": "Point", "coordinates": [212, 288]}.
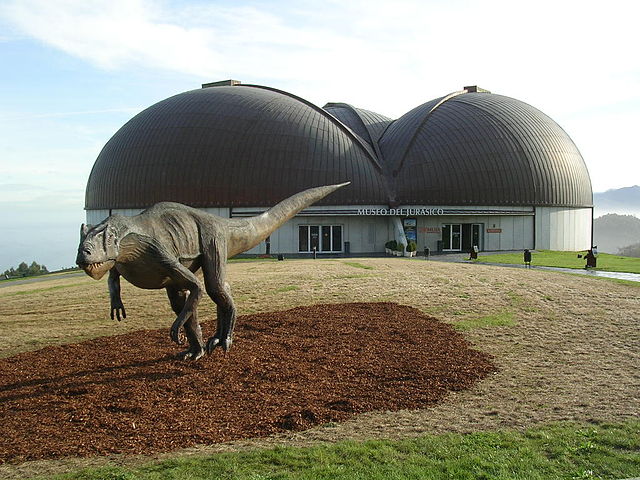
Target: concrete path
{"type": "Point", "coordinates": [464, 258]}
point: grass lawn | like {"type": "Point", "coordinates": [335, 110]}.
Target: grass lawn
{"type": "Point", "coordinates": [533, 322]}
{"type": "Point", "coordinates": [549, 258]}
{"type": "Point", "coordinates": [571, 451]}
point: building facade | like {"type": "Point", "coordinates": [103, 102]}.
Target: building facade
{"type": "Point", "coordinates": [468, 169]}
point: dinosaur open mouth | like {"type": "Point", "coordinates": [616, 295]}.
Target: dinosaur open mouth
{"type": "Point", "coordinates": [94, 266]}
{"type": "Point", "coordinates": [97, 269]}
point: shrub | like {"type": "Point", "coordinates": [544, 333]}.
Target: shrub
{"type": "Point", "coordinates": [412, 247]}
{"type": "Point", "coordinates": [391, 245]}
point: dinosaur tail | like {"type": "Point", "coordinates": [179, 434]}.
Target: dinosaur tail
{"type": "Point", "coordinates": [246, 233]}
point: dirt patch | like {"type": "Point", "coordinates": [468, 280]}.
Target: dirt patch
{"type": "Point", "coordinates": [288, 371]}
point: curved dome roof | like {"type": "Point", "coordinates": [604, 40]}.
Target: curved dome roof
{"type": "Point", "coordinates": [480, 148]}
{"type": "Point", "coordinates": [366, 124]}
{"type": "Point", "coordinates": [232, 146]}
{"type": "Point", "coordinates": [248, 145]}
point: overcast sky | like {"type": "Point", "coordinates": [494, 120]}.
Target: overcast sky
{"type": "Point", "coordinates": [74, 71]}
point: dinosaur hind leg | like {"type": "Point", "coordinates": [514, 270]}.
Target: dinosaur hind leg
{"type": "Point", "coordinates": [226, 318]}
{"type": "Point", "coordinates": [213, 268]}
{"type": "Point", "coordinates": [192, 329]}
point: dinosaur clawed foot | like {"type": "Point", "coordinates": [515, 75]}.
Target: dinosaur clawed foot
{"type": "Point", "coordinates": [216, 341]}
{"type": "Point", "coordinates": [192, 354]}
{"type": "Point", "coordinates": [177, 335]}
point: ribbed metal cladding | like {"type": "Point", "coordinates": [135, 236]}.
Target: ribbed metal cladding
{"type": "Point", "coordinates": [252, 146]}
{"type": "Point", "coordinates": [231, 146]}
{"type": "Point", "coordinates": [483, 149]}
{"type": "Point", "coordinates": [366, 124]}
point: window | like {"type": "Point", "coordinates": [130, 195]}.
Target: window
{"type": "Point", "coordinates": [336, 238]}
{"type": "Point", "coordinates": [303, 238]}
{"type": "Point", "coordinates": [324, 238]}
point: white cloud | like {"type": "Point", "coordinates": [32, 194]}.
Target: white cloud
{"type": "Point", "coordinates": [608, 143]}
{"type": "Point", "coordinates": [22, 116]}
{"type": "Point", "coordinates": [574, 60]}
{"type": "Point", "coordinates": [570, 59]}
{"type": "Point", "coordinates": [553, 52]}
{"type": "Point", "coordinates": [113, 34]}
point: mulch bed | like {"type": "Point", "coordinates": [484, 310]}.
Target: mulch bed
{"type": "Point", "coordinates": [287, 371]}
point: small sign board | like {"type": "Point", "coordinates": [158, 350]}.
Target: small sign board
{"type": "Point", "coordinates": [436, 230]}
{"type": "Point", "coordinates": [409, 225]}
{"type": "Point", "coordinates": [494, 230]}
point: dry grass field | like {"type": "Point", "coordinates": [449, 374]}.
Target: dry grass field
{"type": "Point", "coordinates": [567, 347]}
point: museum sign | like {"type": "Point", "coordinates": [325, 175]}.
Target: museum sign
{"type": "Point", "coordinates": [403, 212]}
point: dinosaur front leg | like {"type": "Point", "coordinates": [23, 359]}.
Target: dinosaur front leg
{"type": "Point", "coordinates": [117, 308]}
{"type": "Point", "coordinates": [192, 328]}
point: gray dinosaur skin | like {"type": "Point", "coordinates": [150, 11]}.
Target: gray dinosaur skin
{"type": "Point", "coordinates": [166, 244]}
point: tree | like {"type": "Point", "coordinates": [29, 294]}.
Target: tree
{"type": "Point", "coordinates": [25, 270]}
{"type": "Point", "coordinates": [36, 269]}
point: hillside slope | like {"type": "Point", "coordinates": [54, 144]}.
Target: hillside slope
{"type": "Point", "coordinates": [612, 232]}
{"type": "Point", "coordinates": [623, 201]}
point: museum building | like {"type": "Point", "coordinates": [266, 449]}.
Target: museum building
{"type": "Point", "coordinates": [471, 168]}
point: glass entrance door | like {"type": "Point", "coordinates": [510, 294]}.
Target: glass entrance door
{"type": "Point", "coordinates": [452, 237]}
{"type": "Point", "coordinates": [475, 235]}
{"type": "Point", "coordinates": [471, 236]}
{"type": "Point", "coordinates": [314, 234]}
{"type": "Point", "coordinates": [456, 236]}
{"type": "Point", "coordinates": [320, 238]}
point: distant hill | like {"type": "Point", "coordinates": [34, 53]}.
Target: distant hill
{"type": "Point", "coordinates": [623, 201]}
{"type": "Point", "coordinates": [631, 251]}
{"type": "Point", "coordinates": [612, 232]}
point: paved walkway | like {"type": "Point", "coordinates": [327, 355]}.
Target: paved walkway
{"type": "Point", "coordinates": [464, 258]}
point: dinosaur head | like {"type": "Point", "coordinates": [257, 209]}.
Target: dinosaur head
{"type": "Point", "coordinates": [98, 249]}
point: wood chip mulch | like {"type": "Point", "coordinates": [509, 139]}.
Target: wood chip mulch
{"type": "Point", "coordinates": [287, 371]}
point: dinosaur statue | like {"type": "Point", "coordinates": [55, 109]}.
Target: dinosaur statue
{"type": "Point", "coordinates": [166, 244]}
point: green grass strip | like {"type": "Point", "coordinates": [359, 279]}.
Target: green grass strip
{"type": "Point", "coordinates": [358, 265]}
{"type": "Point", "coordinates": [251, 259]}
{"type": "Point", "coordinates": [549, 258]}
{"type": "Point", "coordinates": [288, 288]}
{"type": "Point", "coordinates": [560, 451]}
